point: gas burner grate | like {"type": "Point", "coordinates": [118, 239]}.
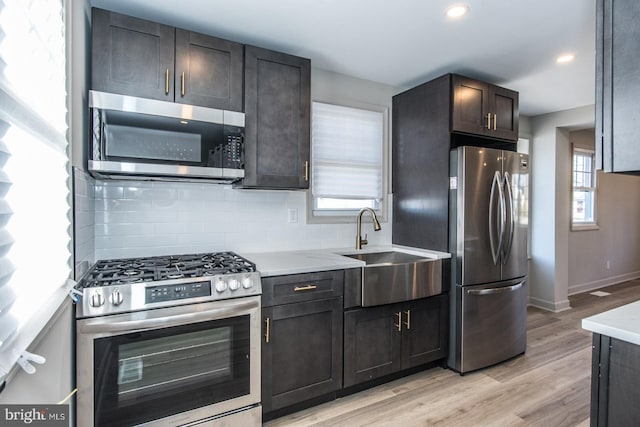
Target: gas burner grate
{"type": "Point", "coordinates": [152, 269]}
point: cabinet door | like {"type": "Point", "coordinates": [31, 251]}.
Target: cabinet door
{"type": "Point", "coordinates": [132, 56]}
{"type": "Point", "coordinates": [372, 344]}
{"type": "Point", "coordinates": [470, 106]}
{"type": "Point", "coordinates": [301, 352]}
{"type": "Point", "coordinates": [425, 331]}
{"type": "Point", "coordinates": [624, 377]}
{"type": "Point", "coordinates": [503, 105]}
{"type": "Point", "coordinates": [617, 86]}
{"type": "Point", "coordinates": [277, 115]}
{"type": "Point", "coordinates": [208, 71]}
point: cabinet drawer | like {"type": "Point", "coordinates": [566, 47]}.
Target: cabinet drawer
{"type": "Point", "coordinates": [301, 287]}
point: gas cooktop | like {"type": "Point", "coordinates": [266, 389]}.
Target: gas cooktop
{"type": "Point", "coordinates": [134, 270]}
{"type": "Point", "coordinates": [134, 284]}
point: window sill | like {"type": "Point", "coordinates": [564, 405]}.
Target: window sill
{"type": "Point", "coordinates": [31, 333]}
{"type": "Point", "coordinates": [584, 227]}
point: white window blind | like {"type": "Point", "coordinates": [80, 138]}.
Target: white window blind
{"type": "Point", "coordinates": [34, 172]}
{"type": "Point", "coordinates": [347, 156]}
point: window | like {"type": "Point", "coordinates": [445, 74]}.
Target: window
{"type": "Point", "coordinates": [347, 159]}
{"type": "Point", "coordinates": [583, 203]}
{"type": "Point", "coordinates": [34, 193]}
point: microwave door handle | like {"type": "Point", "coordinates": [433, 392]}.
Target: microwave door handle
{"type": "Point", "coordinates": [103, 324]}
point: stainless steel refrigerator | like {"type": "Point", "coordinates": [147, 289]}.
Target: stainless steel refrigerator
{"type": "Point", "coordinates": [488, 222]}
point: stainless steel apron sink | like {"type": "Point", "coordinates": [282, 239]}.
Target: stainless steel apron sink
{"type": "Point", "coordinates": [394, 276]}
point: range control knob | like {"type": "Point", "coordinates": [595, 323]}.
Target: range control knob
{"type": "Point", "coordinates": [96, 299]}
{"type": "Point", "coordinates": [234, 285]}
{"type": "Point", "coordinates": [221, 286]}
{"type": "Point", "coordinates": [116, 297]}
{"type": "Point", "coordinates": [247, 282]}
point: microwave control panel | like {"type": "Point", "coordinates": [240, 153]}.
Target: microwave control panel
{"type": "Point", "coordinates": [233, 150]}
{"type": "Point", "coordinates": [229, 154]}
{"type": "Point", "coordinates": [232, 153]}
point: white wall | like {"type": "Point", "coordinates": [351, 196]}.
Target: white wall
{"type": "Point", "coordinates": [550, 191]}
{"type": "Point", "coordinates": [616, 239]}
{"type": "Point", "coordinates": [152, 218]}
{"type": "Point", "coordinates": [54, 379]}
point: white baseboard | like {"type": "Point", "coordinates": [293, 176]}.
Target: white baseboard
{"type": "Point", "coordinates": [591, 286]}
{"type": "Point", "coordinates": [550, 305]}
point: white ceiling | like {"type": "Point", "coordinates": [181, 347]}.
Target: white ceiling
{"type": "Point", "coordinates": [402, 43]}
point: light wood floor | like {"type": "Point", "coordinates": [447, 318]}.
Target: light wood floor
{"type": "Point", "coordinates": [548, 386]}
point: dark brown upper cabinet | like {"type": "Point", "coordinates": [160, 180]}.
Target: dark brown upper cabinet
{"type": "Point", "coordinates": [617, 86]}
{"type": "Point", "coordinates": [277, 101]}
{"type": "Point", "coordinates": [132, 56]}
{"type": "Point", "coordinates": [428, 121]}
{"type": "Point", "coordinates": [480, 108]}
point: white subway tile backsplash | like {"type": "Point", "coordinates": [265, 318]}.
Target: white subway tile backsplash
{"type": "Point", "coordinates": [124, 229]}
{"type": "Point", "coordinates": [178, 228]}
{"type": "Point", "coordinates": [84, 222]}
{"type": "Point", "coordinates": [133, 192]}
{"type": "Point", "coordinates": [123, 205]}
{"type": "Point", "coordinates": [154, 216]}
{"type": "Point", "coordinates": [161, 218]}
{"type": "Point", "coordinates": [109, 190]}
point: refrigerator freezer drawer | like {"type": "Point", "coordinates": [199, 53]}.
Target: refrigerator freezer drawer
{"type": "Point", "coordinates": [493, 323]}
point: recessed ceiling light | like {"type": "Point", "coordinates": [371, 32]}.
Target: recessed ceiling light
{"type": "Point", "coordinates": [567, 57]}
{"type": "Point", "coordinates": [457, 11]}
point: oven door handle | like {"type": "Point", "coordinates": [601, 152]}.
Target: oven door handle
{"type": "Point", "coordinates": [161, 319]}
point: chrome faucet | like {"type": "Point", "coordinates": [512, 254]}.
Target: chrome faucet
{"type": "Point", "coordinates": [376, 227]}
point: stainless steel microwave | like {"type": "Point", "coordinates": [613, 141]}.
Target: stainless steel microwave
{"type": "Point", "coordinates": [139, 138]}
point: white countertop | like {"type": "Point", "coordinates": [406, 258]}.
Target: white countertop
{"type": "Point", "coordinates": [622, 323]}
{"type": "Point", "coordinates": [296, 262]}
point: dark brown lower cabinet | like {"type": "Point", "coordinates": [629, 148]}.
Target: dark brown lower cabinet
{"type": "Point", "coordinates": [615, 382]}
{"type": "Point", "coordinates": [301, 352]}
{"type": "Point", "coordinates": [382, 340]}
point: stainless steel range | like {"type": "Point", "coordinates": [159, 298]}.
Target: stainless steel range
{"type": "Point", "coordinates": [171, 340]}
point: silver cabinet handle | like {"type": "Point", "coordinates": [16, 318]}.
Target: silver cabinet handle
{"type": "Point", "coordinates": [493, 291]}
{"type": "Point", "coordinates": [408, 322]}
{"type": "Point", "coordinates": [267, 332]}
{"type": "Point", "coordinates": [304, 288]}
{"type": "Point", "coordinates": [399, 324]}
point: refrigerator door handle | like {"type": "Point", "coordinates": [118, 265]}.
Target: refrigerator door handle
{"type": "Point", "coordinates": [496, 183]}
{"type": "Point", "coordinates": [493, 291]}
{"type": "Point", "coordinates": [511, 223]}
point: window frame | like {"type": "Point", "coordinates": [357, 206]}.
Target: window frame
{"type": "Point", "coordinates": [344, 216]}
{"type": "Point", "coordinates": [593, 189]}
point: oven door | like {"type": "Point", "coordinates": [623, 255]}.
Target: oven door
{"type": "Point", "coordinates": [169, 366]}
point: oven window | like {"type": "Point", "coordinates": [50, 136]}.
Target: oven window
{"type": "Point", "coordinates": [149, 375]}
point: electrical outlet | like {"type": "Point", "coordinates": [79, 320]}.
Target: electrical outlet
{"type": "Point", "coordinates": [292, 215]}
{"type": "Point", "coordinates": [608, 265]}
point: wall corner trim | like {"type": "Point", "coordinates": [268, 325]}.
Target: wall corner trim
{"type": "Point", "coordinates": [555, 307]}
